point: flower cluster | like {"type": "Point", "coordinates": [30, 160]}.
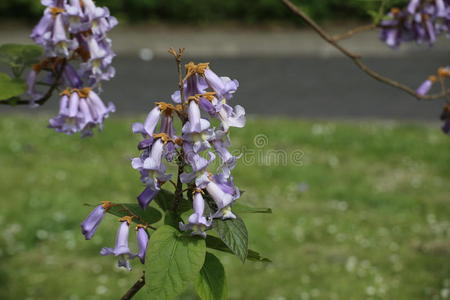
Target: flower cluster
{"type": "Point", "coordinates": [75, 31]}
{"type": "Point", "coordinates": [195, 147]}
{"type": "Point", "coordinates": [421, 21]}
{"type": "Point", "coordinates": [121, 248]}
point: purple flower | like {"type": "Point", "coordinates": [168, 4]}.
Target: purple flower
{"type": "Point", "coordinates": [197, 222]}
{"type": "Point", "coordinates": [72, 78]}
{"type": "Point", "coordinates": [41, 31]}
{"type": "Point", "coordinates": [147, 195]}
{"type": "Point", "coordinates": [425, 87]}
{"type": "Point", "coordinates": [221, 144]}
{"type": "Point", "coordinates": [220, 110]}
{"type": "Point", "coordinates": [59, 38]}
{"type": "Point", "coordinates": [197, 163]}
{"type": "Point", "coordinates": [121, 248]}
{"type": "Point", "coordinates": [90, 224]}
{"type": "Point", "coordinates": [413, 5]}
{"type": "Point", "coordinates": [148, 128]}
{"type": "Point", "coordinates": [224, 87]}
{"type": "Point", "coordinates": [151, 167]}
{"type": "Point", "coordinates": [197, 130]}
{"type": "Point", "coordinates": [80, 111]}
{"type": "Point", "coordinates": [224, 193]}
{"type": "Point", "coordinates": [142, 240]}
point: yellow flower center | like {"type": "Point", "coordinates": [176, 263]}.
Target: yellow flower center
{"type": "Point", "coordinates": [127, 219]}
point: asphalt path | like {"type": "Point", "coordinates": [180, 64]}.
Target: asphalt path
{"type": "Point", "coordinates": [304, 87]}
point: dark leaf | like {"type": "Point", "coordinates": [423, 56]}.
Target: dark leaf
{"type": "Point", "coordinates": [216, 243]}
{"type": "Point", "coordinates": [166, 199]}
{"type": "Point", "coordinates": [245, 209]}
{"type": "Point", "coordinates": [211, 283]}
{"type": "Point", "coordinates": [234, 234]}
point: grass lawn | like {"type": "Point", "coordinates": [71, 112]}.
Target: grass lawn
{"type": "Point", "coordinates": [362, 213]}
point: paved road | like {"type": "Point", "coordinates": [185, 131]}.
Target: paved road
{"type": "Point", "coordinates": [297, 86]}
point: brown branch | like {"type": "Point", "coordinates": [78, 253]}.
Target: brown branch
{"type": "Point", "coordinates": [357, 58]}
{"type": "Point", "coordinates": [178, 55]}
{"type": "Point", "coordinates": [48, 94]}
{"type": "Point", "coordinates": [354, 31]}
{"type": "Point", "coordinates": [134, 289]}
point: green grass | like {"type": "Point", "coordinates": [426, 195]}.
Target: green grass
{"type": "Point", "coordinates": [364, 214]}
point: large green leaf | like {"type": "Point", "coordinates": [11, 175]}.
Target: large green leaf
{"type": "Point", "coordinates": [234, 234]}
{"type": "Point", "coordinates": [245, 209]}
{"type": "Point", "coordinates": [211, 283]}
{"type": "Point", "coordinates": [174, 261]}
{"type": "Point", "coordinates": [150, 215]}
{"type": "Point", "coordinates": [10, 87]}
{"type": "Point", "coordinates": [215, 243]}
{"type": "Point", "coordinates": [20, 55]}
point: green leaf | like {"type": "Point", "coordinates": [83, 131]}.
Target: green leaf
{"type": "Point", "coordinates": [150, 214]}
{"type": "Point", "coordinates": [234, 234]}
{"type": "Point", "coordinates": [174, 261]}
{"type": "Point", "coordinates": [10, 87]}
{"type": "Point", "coordinates": [215, 243]}
{"type": "Point", "coordinates": [172, 219]}
{"type": "Point", "coordinates": [166, 199]}
{"type": "Point", "coordinates": [245, 209]}
{"type": "Point", "coordinates": [211, 283]}
{"type": "Point", "coordinates": [18, 55]}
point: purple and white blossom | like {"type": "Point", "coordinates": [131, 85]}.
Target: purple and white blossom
{"type": "Point", "coordinates": [197, 222]}
{"type": "Point", "coordinates": [151, 166]}
{"type": "Point", "coordinates": [426, 86]}
{"type": "Point", "coordinates": [121, 249]}
{"type": "Point", "coordinates": [421, 21]}
{"type": "Point", "coordinates": [72, 29]}
{"type": "Point", "coordinates": [204, 103]}
{"type": "Point", "coordinates": [80, 111]}
{"type": "Point", "coordinates": [90, 224]}
{"type": "Point", "coordinates": [142, 241]}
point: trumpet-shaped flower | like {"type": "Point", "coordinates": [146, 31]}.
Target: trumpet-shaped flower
{"type": "Point", "coordinates": [121, 249]}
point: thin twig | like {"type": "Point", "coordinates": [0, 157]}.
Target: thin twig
{"type": "Point", "coordinates": [134, 289]}
{"type": "Point", "coordinates": [352, 32]}
{"type": "Point", "coordinates": [357, 58]}
{"type": "Point", "coordinates": [47, 95]}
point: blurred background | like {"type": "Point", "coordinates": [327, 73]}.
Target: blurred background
{"type": "Point", "coordinates": [361, 213]}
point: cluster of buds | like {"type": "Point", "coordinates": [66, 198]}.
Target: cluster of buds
{"type": "Point", "coordinates": [121, 248]}
{"type": "Point", "coordinates": [195, 147]}
{"type": "Point", "coordinates": [79, 55]}
{"type": "Point", "coordinates": [421, 21]}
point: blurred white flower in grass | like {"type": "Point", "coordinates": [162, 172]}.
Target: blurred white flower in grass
{"type": "Point", "coordinates": [323, 129]}
{"type": "Point", "coordinates": [42, 234]}
{"type": "Point", "coordinates": [101, 290]}
{"type": "Point", "coordinates": [351, 263]}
